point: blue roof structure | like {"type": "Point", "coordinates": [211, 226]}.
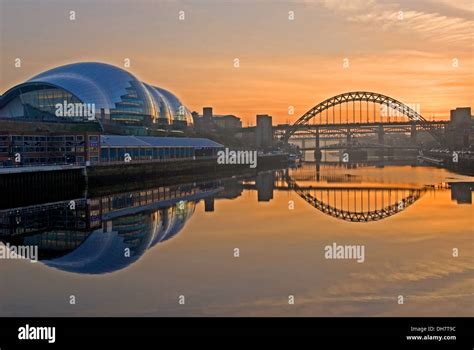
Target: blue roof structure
{"type": "Point", "coordinates": [92, 82]}
{"type": "Point", "coordinates": [112, 90]}
{"type": "Point", "coordinates": [179, 142]}
{"type": "Point", "coordinates": [151, 141]}
{"type": "Point", "coordinates": [161, 103]}
{"type": "Point", "coordinates": [121, 141]}
{"type": "Point", "coordinates": [178, 110]}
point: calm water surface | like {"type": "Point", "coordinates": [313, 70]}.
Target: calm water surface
{"type": "Point", "coordinates": [134, 253]}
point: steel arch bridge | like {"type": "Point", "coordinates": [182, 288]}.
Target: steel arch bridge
{"type": "Point", "coordinates": [360, 96]}
{"type": "Point", "coordinates": [346, 203]}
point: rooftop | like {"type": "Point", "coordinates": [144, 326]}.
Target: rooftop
{"type": "Point", "coordinates": [151, 141]}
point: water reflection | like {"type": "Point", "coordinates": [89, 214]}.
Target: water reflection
{"type": "Point", "coordinates": [107, 233]}
{"type": "Point", "coordinates": [103, 234]}
{"type": "Point", "coordinates": [351, 198]}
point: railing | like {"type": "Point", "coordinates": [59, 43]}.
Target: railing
{"type": "Point", "coordinates": [13, 166]}
{"type": "Point", "coordinates": [141, 161]}
{"type": "Point", "coordinates": [105, 163]}
{"type": "Point", "coordinates": [121, 162]}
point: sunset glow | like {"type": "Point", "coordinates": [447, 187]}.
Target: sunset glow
{"type": "Point", "coordinates": [417, 53]}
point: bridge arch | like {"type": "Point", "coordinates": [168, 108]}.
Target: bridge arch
{"type": "Point", "coordinates": [362, 96]}
{"type": "Point", "coordinates": [334, 203]}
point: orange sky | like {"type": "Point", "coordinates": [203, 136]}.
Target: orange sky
{"type": "Point", "coordinates": [407, 55]}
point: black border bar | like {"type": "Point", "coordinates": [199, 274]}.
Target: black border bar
{"type": "Point", "coordinates": [358, 331]}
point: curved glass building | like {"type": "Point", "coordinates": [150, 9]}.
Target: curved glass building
{"type": "Point", "coordinates": [118, 99]}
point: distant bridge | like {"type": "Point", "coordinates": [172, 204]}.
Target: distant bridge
{"type": "Point", "coordinates": [343, 146]}
{"type": "Point", "coordinates": [353, 113]}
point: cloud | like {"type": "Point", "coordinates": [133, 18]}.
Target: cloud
{"type": "Point", "coordinates": [394, 17]}
{"type": "Point", "coordinates": [464, 5]}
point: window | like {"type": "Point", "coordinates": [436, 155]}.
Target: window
{"type": "Point", "coordinates": [93, 142]}
{"type": "Point", "coordinates": [136, 153]}
{"type": "Point", "coordinates": [121, 153]}
{"type": "Point", "coordinates": [113, 154]}
{"type": "Point", "coordinates": [104, 155]}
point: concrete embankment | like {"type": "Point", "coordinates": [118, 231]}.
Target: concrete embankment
{"type": "Point", "coordinates": [103, 174]}
{"type": "Point", "coordinates": [460, 163]}
{"type": "Point", "coordinates": [39, 186]}
{"type": "Point", "coordinates": [62, 183]}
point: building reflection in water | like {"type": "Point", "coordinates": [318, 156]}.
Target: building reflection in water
{"type": "Point", "coordinates": [103, 234]}
{"type": "Point", "coordinates": [107, 233]}
{"type": "Point", "coordinates": [461, 192]}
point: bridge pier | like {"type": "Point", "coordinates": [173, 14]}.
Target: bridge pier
{"type": "Point", "coordinates": [381, 134]}
{"type": "Point", "coordinates": [381, 141]}
{"type": "Point", "coordinates": [413, 133]}
{"type": "Point", "coordinates": [303, 146]}
{"type": "Point", "coordinates": [348, 136]}
{"type": "Point", "coordinates": [317, 151]}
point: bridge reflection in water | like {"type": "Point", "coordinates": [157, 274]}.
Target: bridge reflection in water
{"type": "Point", "coordinates": [107, 233]}
{"type": "Point", "coordinates": [350, 198]}
{"type": "Point", "coordinates": [353, 199]}
{"type": "Point", "coordinates": [358, 204]}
